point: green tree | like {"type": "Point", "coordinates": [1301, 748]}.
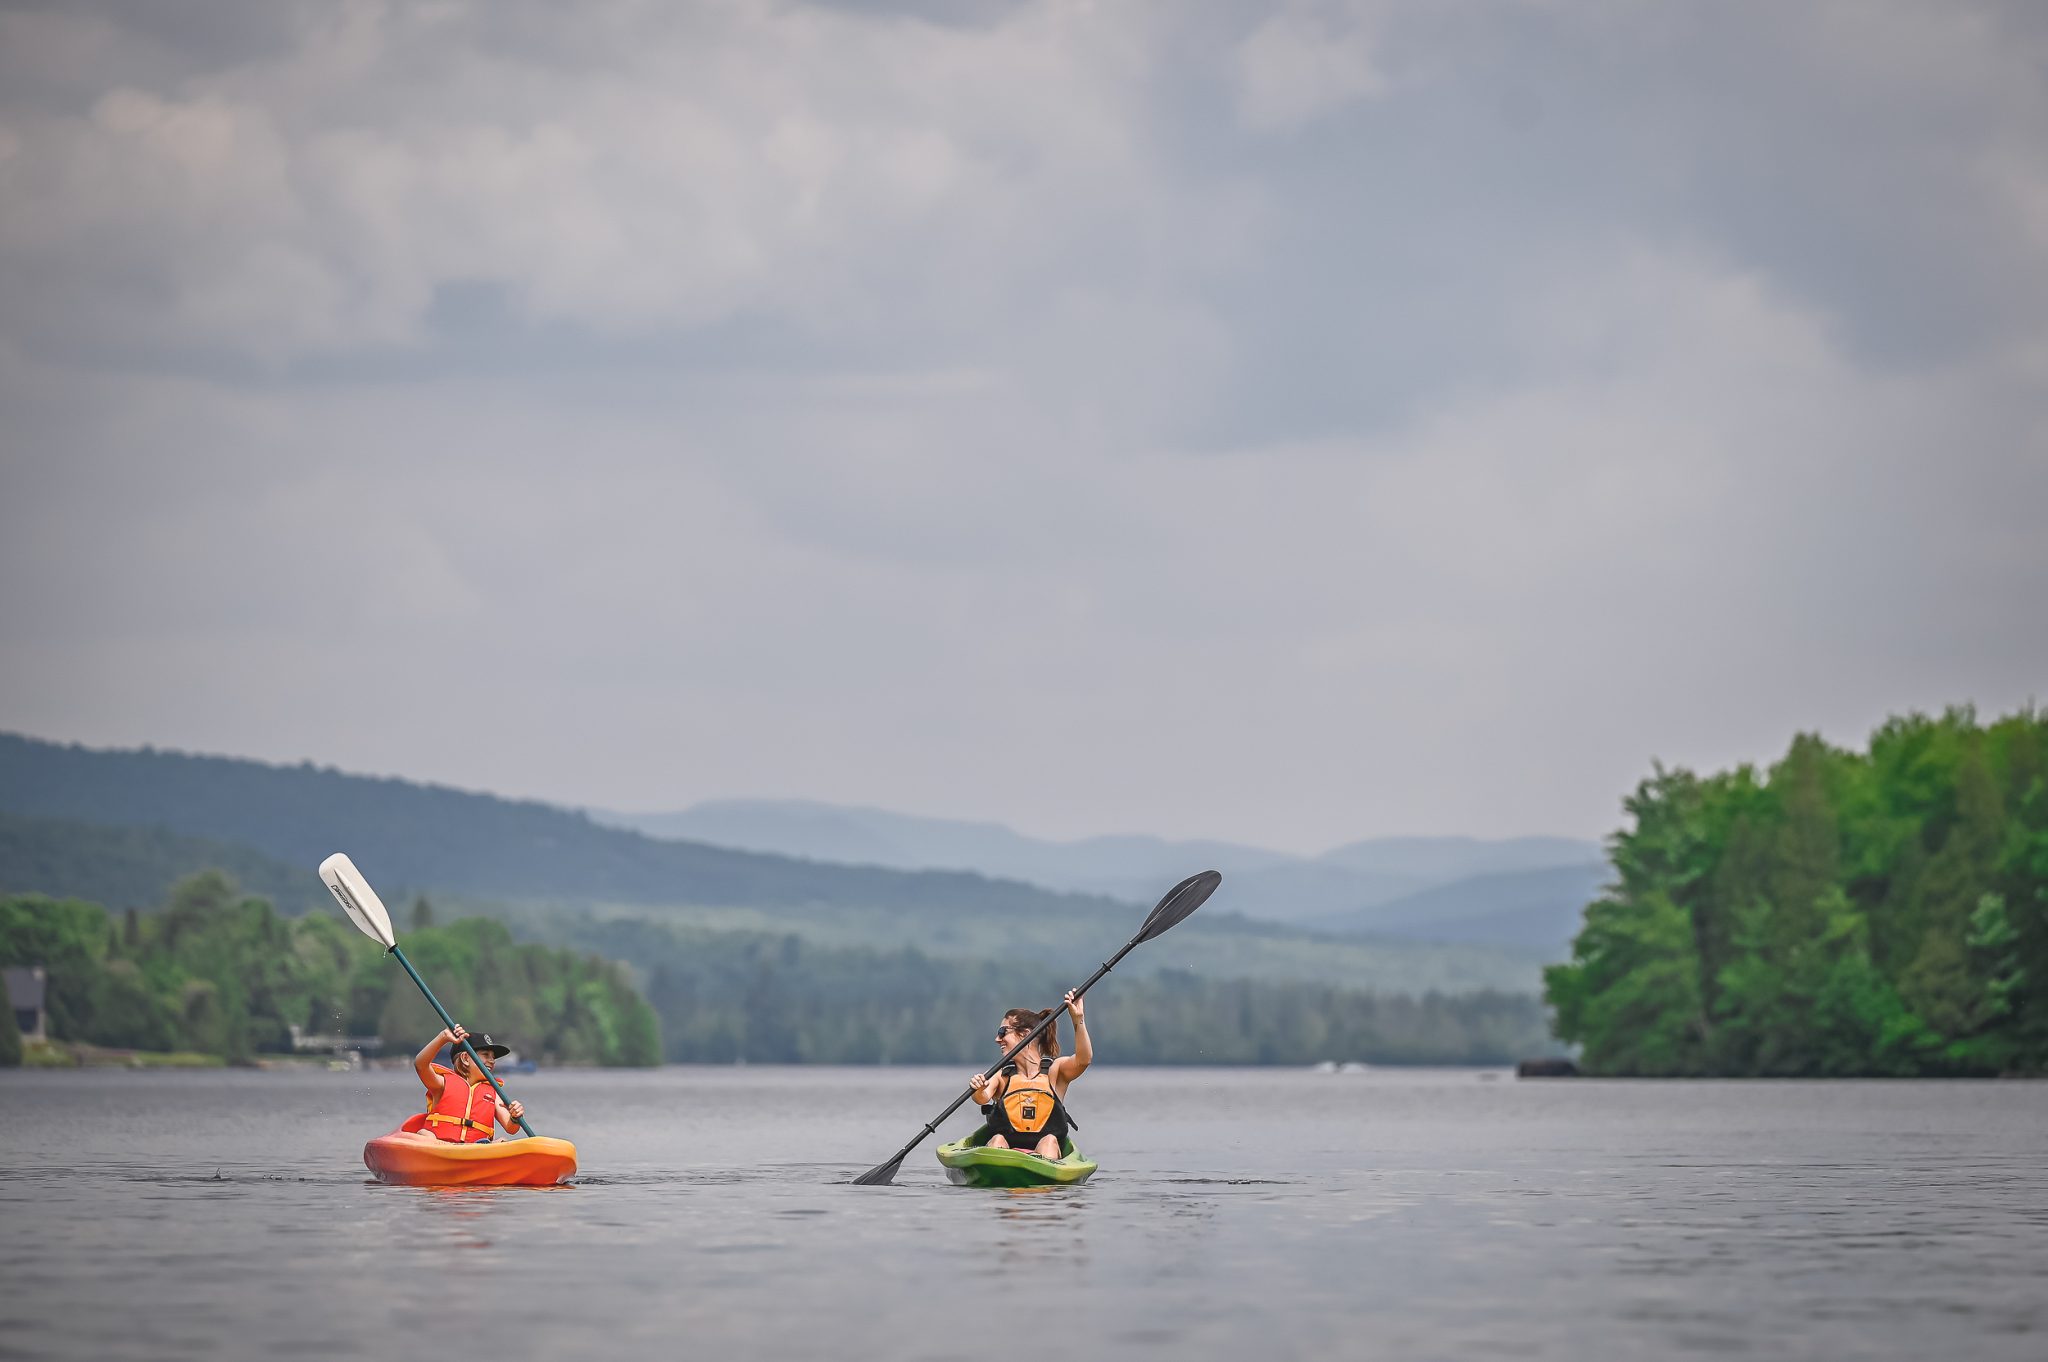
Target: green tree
{"type": "Point", "coordinates": [1631, 993]}
{"type": "Point", "coordinates": [128, 1014]}
{"type": "Point", "coordinates": [203, 1021]}
{"type": "Point", "coordinates": [1939, 984]}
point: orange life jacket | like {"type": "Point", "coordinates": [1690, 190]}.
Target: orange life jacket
{"type": "Point", "coordinates": [1028, 1109]}
{"type": "Point", "coordinates": [464, 1113]}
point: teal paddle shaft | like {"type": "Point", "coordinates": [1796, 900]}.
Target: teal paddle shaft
{"type": "Point", "coordinates": [449, 1021]}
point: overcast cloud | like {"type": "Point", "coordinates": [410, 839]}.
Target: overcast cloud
{"type": "Point", "coordinates": [1287, 422]}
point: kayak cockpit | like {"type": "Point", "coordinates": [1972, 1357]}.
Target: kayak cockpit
{"type": "Point", "coordinates": [971, 1163]}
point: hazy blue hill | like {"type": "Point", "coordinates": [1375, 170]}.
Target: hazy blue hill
{"type": "Point", "coordinates": [814, 832]}
{"type": "Point", "coordinates": [1314, 894]}
{"type": "Point", "coordinates": [1440, 860]}
{"type": "Point", "coordinates": [1266, 884]}
{"type": "Point", "coordinates": [1123, 866]}
{"type": "Point", "coordinates": [1123, 856]}
{"type": "Point", "coordinates": [1537, 910]}
{"type": "Point", "coordinates": [411, 836]}
{"type": "Point", "coordinates": [130, 867]}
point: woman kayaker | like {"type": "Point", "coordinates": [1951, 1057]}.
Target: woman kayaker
{"type": "Point", "coordinates": [1026, 1103]}
{"type": "Point", "coordinates": [462, 1106]}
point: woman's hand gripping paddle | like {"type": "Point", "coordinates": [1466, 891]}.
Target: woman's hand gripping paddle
{"type": "Point", "coordinates": [1190, 894]}
{"type": "Point", "coordinates": [366, 910]}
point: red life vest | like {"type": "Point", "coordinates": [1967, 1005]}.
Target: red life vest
{"type": "Point", "coordinates": [464, 1113]}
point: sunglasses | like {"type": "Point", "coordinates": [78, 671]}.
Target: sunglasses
{"type": "Point", "coordinates": [1002, 1031]}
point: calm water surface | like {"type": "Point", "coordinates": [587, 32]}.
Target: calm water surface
{"type": "Point", "coordinates": [1238, 1214]}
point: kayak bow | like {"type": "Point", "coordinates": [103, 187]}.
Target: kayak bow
{"type": "Point", "coordinates": [971, 1163]}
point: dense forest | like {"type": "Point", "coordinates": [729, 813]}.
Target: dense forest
{"type": "Point", "coordinates": [778, 998]}
{"type": "Point", "coordinates": [221, 973]}
{"type": "Point", "coordinates": [1844, 913]}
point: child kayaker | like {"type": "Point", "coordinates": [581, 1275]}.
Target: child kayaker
{"type": "Point", "coordinates": [462, 1106]}
{"type": "Point", "coordinates": [1026, 1103]}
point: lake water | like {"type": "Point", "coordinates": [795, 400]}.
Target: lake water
{"type": "Point", "coordinates": [1238, 1214]}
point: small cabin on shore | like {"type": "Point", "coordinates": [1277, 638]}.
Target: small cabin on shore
{"type": "Point", "coordinates": [28, 992]}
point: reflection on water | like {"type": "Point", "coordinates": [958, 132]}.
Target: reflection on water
{"type": "Point", "coordinates": [1030, 1229]}
{"type": "Point", "coordinates": [1255, 1214]}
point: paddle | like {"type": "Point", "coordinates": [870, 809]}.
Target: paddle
{"type": "Point", "coordinates": [366, 910]}
{"type": "Point", "coordinates": [1190, 894]}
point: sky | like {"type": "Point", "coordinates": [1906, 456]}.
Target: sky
{"type": "Point", "coordinates": [1286, 422]}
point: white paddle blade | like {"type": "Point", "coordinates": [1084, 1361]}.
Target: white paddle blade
{"type": "Point", "coordinates": [357, 899]}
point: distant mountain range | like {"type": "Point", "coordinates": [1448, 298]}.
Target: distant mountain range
{"type": "Point", "coordinates": [1539, 910]}
{"type": "Point", "coordinates": [1509, 891]}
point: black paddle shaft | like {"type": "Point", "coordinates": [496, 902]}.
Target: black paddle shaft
{"type": "Point", "coordinates": [1180, 901]}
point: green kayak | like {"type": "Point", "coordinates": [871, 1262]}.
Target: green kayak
{"type": "Point", "coordinates": [971, 1163]}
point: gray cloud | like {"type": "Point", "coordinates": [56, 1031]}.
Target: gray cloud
{"type": "Point", "coordinates": [1287, 422]}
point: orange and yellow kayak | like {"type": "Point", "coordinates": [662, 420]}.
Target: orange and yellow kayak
{"type": "Point", "coordinates": [410, 1157]}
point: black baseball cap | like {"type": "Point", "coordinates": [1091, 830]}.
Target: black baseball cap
{"type": "Point", "coordinates": [483, 1045]}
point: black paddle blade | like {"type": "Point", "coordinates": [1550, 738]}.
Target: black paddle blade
{"type": "Point", "coordinates": [881, 1175]}
{"type": "Point", "coordinates": [1181, 900]}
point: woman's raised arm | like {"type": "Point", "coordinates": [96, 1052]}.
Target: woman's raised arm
{"type": "Point", "coordinates": [1072, 1066]}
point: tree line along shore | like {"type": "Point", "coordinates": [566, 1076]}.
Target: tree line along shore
{"type": "Point", "coordinates": [1881, 912]}
{"type": "Point", "coordinates": [217, 973]}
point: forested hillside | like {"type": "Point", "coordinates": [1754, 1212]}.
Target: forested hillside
{"type": "Point", "coordinates": [1877, 912]}
{"type": "Point", "coordinates": [425, 837]}
{"type": "Point", "coordinates": [135, 867]}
